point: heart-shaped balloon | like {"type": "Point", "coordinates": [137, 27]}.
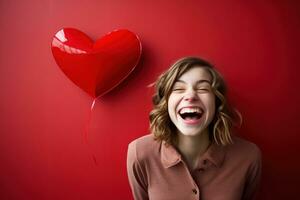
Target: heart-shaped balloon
{"type": "Point", "coordinates": [96, 67]}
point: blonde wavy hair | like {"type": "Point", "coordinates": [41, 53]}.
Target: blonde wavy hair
{"type": "Point", "coordinates": [225, 116]}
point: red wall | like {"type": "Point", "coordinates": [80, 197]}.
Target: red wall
{"type": "Point", "coordinates": [44, 115]}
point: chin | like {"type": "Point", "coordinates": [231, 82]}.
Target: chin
{"type": "Point", "coordinates": [190, 132]}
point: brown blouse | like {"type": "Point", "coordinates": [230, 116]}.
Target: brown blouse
{"type": "Point", "coordinates": [156, 171]}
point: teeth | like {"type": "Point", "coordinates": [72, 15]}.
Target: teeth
{"type": "Point", "coordinates": [190, 110]}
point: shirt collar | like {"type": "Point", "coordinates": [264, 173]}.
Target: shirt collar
{"type": "Point", "coordinates": [215, 153]}
{"type": "Point", "coordinates": [170, 156]}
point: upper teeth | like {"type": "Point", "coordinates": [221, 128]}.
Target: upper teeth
{"type": "Point", "coordinates": [190, 110]}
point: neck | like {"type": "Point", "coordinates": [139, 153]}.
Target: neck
{"type": "Point", "coordinates": [192, 147]}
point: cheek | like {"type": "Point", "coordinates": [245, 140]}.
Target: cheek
{"type": "Point", "coordinates": [169, 105]}
{"type": "Point", "coordinates": [210, 103]}
{"type": "Point", "coordinates": [172, 101]}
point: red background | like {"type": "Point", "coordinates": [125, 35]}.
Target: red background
{"type": "Point", "coordinates": [44, 115]}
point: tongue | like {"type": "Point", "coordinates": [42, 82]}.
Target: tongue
{"type": "Point", "coordinates": [191, 118]}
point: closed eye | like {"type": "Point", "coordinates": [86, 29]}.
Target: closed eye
{"type": "Point", "coordinates": [203, 89]}
{"type": "Point", "coordinates": [178, 89]}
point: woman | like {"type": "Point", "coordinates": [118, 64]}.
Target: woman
{"type": "Point", "coordinates": [191, 153]}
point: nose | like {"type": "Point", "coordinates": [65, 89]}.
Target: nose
{"type": "Point", "coordinates": [191, 95]}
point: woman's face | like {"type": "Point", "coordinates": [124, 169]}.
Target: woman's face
{"type": "Point", "coordinates": [191, 105]}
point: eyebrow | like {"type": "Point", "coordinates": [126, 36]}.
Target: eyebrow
{"type": "Point", "coordinates": [198, 82]}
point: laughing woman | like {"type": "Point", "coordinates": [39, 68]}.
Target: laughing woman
{"type": "Point", "coordinates": [191, 153]}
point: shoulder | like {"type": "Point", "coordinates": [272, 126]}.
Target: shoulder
{"type": "Point", "coordinates": [244, 149]}
{"type": "Point", "coordinates": [244, 145]}
{"type": "Point", "coordinates": [145, 147]}
{"type": "Point", "coordinates": [144, 143]}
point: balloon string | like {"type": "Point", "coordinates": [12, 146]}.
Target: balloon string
{"type": "Point", "coordinates": [86, 133]}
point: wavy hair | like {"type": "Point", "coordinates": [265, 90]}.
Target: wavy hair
{"type": "Point", "coordinates": [225, 116]}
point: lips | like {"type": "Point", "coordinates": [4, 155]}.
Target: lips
{"type": "Point", "coordinates": [191, 114]}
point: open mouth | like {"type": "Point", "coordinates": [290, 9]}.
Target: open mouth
{"type": "Point", "coordinates": [191, 114]}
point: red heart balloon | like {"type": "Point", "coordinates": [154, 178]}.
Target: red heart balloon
{"type": "Point", "coordinates": [96, 67]}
